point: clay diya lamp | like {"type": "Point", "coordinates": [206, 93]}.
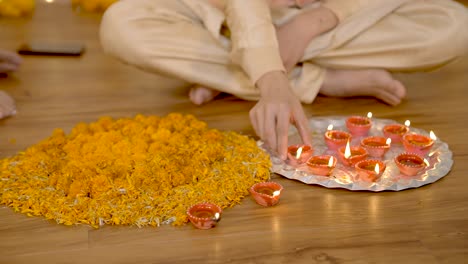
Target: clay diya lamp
{"type": "Point", "coordinates": [266, 193]}
{"type": "Point", "coordinates": [396, 131]}
{"type": "Point", "coordinates": [419, 144]}
{"type": "Point", "coordinates": [204, 215]}
{"type": "Point", "coordinates": [410, 164]}
{"type": "Point", "coordinates": [299, 154]}
{"type": "Point", "coordinates": [322, 165]}
{"type": "Point", "coordinates": [370, 170]}
{"type": "Point", "coordinates": [376, 146]}
{"type": "Point", "coordinates": [336, 139]}
{"type": "Point", "coordinates": [359, 126]}
{"type": "Point", "coordinates": [351, 155]}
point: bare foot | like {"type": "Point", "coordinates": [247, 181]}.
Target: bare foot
{"type": "Point", "coordinates": [200, 95]}
{"type": "Point", "coordinates": [376, 83]}
{"type": "Point", "coordinates": [7, 105]}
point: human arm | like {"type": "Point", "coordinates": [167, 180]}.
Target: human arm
{"type": "Point", "coordinates": [295, 35]}
{"type": "Point", "coordinates": [255, 49]}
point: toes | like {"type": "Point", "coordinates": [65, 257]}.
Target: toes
{"type": "Point", "coordinates": [194, 96]}
{"type": "Point", "coordinates": [399, 89]}
{"type": "Point", "coordinates": [200, 95]}
{"type": "Point", "coordinates": [393, 93]}
{"type": "Point", "coordinates": [389, 98]}
{"type": "Point", "coordinates": [390, 90]}
{"type": "Point", "coordinates": [393, 86]}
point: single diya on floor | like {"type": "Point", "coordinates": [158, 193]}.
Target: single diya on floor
{"type": "Point", "coordinates": [336, 139]}
{"type": "Point", "coordinates": [322, 165]}
{"type": "Point", "coordinates": [204, 215]}
{"type": "Point", "coordinates": [376, 146]}
{"type": "Point", "coordinates": [359, 126]}
{"type": "Point", "coordinates": [299, 154]}
{"type": "Point", "coordinates": [410, 164]}
{"type": "Point", "coordinates": [419, 144]}
{"type": "Point", "coordinates": [370, 170]}
{"type": "Point", "coordinates": [266, 193]}
{"type": "Point", "coordinates": [351, 155]}
{"type": "Point", "coordinates": [396, 131]}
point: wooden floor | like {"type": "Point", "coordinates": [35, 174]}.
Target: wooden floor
{"type": "Point", "coordinates": [310, 225]}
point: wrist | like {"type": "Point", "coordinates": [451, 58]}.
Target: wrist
{"type": "Point", "coordinates": [273, 80]}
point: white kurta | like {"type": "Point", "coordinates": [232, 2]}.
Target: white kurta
{"type": "Point", "coordinates": [182, 38]}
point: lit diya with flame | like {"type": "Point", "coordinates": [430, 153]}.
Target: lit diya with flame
{"type": "Point", "coordinates": [376, 146]}
{"type": "Point", "coordinates": [299, 154]}
{"type": "Point", "coordinates": [396, 131]}
{"type": "Point", "coordinates": [370, 170]}
{"type": "Point", "coordinates": [410, 164]}
{"type": "Point", "coordinates": [359, 125]}
{"type": "Point", "coordinates": [204, 215]}
{"type": "Point", "coordinates": [322, 165]}
{"type": "Point", "coordinates": [336, 139]}
{"type": "Point", "coordinates": [266, 193]}
{"type": "Point", "coordinates": [419, 144]}
{"type": "Point", "coordinates": [351, 155]}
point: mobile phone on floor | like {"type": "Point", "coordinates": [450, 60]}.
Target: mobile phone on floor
{"type": "Point", "coordinates": [52, 49]}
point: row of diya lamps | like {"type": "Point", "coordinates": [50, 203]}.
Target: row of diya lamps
{"type": "Point", "coordinates": [206, 215]}
{"type": "Point", "coordinates": [410, 163]}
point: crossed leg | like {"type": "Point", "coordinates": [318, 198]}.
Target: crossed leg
{"type": "Point", "coordinates": [337, 83]}
{"type": "Point", "coordinates": [360, 65]}
{"type": "Point", "coordinates": [180, 46]}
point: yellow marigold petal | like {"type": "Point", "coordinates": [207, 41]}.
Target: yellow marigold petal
{"type": "Point", "coordinates": [138, 171]}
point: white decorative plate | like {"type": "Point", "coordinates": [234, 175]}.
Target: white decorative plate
{"type": "Point", "coordinates": [440, 160]}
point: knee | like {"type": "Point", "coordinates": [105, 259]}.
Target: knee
{"type": "Point", "coordinates": [110, 31]}
{"type": "Point", "coordinates": [130, 30]}
{"type": "Point", "coordinates": [450, 37]}
{"type": "Point", "coordinates": [458, 31]}
{"type": "Point", "coordinates": [119, 35]}
{"type": "Point", "coordinates": [462, 28]}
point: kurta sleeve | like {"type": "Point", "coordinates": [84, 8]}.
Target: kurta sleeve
{"type": "Point", "coordinates": [254, 44]}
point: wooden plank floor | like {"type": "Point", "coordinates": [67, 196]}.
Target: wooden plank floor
{"type": "Point", "coordinates": [310, 225]}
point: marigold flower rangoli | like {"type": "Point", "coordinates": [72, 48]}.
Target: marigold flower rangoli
{"type": "Point", "coordinates": [139, 171]}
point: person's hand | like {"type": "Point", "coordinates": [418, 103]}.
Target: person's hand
{"type": "Point", "coordinates": [9, 61]}
{"type": "Point", "coordinates": [277, 108]}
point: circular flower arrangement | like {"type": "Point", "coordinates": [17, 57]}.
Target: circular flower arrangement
{"type": "Point", "coordinates": [139, 171]}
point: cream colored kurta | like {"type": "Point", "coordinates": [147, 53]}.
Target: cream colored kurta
{"type": "Point", "coordinates": [182, 38]}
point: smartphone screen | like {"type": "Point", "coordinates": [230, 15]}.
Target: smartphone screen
{"type": "Point", "coordinates": [51, 49]}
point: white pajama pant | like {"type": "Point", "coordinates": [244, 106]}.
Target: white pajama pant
{"type": "Point", "coordinates": [168, 37]}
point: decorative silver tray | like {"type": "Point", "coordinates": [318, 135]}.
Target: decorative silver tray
{"type": "Point", "coordinates": [440, 160]}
